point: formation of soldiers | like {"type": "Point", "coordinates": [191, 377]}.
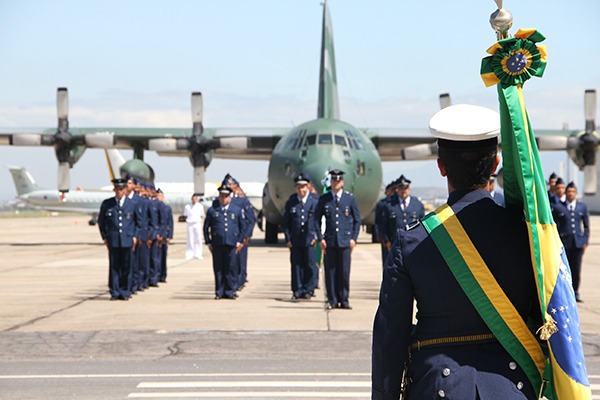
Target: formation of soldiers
{"type": "Point", "coordinates": [398, 210]}
{"type": "Point", "coordinates": [136, 226]}
{"type": "Point", "coordinates": [572, 222]}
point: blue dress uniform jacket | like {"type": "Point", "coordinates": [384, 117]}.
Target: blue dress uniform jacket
{"type": "Point", "coordinates": [573, 225]}
{"type": "Point", "coordinates": [224, 228]}
{"type": "Point", "coordinates": [300, 226]}
{"type": "Point", "coordinates": [118, 225]}
{"type": "Point", "coordinates": [395, 219]}
{"type": "Point", "coordinates": [415, 269]}
{"type": "Point", "coordinates": [342, 221]}
{"type": "Point", "coordinates": [300, 229]}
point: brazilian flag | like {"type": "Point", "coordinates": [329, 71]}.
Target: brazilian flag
{"type": "Point", "coordinates": [512, 62]}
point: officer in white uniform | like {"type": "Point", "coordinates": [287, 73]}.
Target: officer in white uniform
{"type": "Point", "coordinates": [194, 214]}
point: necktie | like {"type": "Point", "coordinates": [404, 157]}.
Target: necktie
{"type": "Point", "coordinates": [402, 205]}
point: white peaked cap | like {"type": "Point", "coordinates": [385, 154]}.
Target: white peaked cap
{"type": "Point", "coordinates": [465, 122]}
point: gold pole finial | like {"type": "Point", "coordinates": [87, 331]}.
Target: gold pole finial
{"type": "Point", "coordinates": [501, 21]}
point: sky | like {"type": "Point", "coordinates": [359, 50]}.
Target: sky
{"type": "Point", "coordinates": [135, 63]}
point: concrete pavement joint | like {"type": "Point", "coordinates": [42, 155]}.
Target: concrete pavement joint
{"type": "Point", "coordinates": [43, 317]}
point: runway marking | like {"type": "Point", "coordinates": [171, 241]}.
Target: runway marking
{"type": "Point", "coordinates": [237, 395]}
{"type": "Point", "coordinates": [196, 375]}
{"type": "Point", "coordinates": [253, 384]}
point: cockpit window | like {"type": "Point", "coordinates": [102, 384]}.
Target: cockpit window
{"type": "Point", "coordinates": [340, 140]}
{"type": "Point", "coordinates": [311, 140]}
{"type": "Point", "coordinates": [325, 138]}
{"type": "Point", "coordinates": [353, 140]}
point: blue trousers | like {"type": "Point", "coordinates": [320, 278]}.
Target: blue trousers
{"type": "Point", "coordinates": [119, 271]}
{"type": "Point", "coordinates": [574, 256]}
{"type": "Point", "coordinates": [155, 261]}
{"type": "Point", "coordinates": [242, 257]}
{"type": "Point", "coordinates": [225, 269]}
{"type": "Point", "coordinates": [304, 270]}
{"type": "Point", "coordinates": [337, 274]}
{"type": "Point", "coordinates": [144, 265]}
{"type": "Point", "coordinates": [162, 276]}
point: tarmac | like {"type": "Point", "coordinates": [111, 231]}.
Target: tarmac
{"type": "Point", "coordinates": [54, 273]}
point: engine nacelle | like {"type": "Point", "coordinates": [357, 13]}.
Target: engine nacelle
{"type": "Point", "coordinates": [162, 145]}
{"type": "Point", "coordinates": [100, 140]}
{"type": "Point", "coordinates": [583, 154]}
{"type": "Point", "coordinates": [26, 139]}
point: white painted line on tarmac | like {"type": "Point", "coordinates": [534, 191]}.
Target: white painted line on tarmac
{"type": "Point", "coordinates": [237, 395]}
{"type": "Point", "coordinates": [195, 375]}
{"type": "Point", "coordinates": [251, 384]}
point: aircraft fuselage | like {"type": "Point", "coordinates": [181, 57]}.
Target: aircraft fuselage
{"type": "Point", "coordinates": [316, 147]}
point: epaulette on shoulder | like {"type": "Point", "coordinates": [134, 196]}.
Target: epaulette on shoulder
{"type": "Point", "coordinates": [351, 194]}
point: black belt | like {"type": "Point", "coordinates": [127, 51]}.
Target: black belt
{"type": "Point", "coordinates": [484, 337]}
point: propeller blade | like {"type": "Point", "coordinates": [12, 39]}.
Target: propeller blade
{"type": "Point", "coordinates": [64, 177]}
{"type": "Point", "coordinates": [589, 103]}
{"type": "Point", "coordinates": [199, 180]}
{"type": "Point", "coordinates": [197, 107]}
{"type": "Point", "coordinates": [62, 103]}
{"type": "Point", "coordinates": [445, 100]}
{"type": "Point", "coordinates": [589, 180]}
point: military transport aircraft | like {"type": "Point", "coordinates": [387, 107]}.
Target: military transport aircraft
{"type": "Point", "coordinates": [313, 147]}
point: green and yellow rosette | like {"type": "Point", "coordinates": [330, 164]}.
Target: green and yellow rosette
{"type": "Point", "coordinates": [514, 60]}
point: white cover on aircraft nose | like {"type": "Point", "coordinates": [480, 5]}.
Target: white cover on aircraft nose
{"type": "Point", "coordinates": [465, 122]}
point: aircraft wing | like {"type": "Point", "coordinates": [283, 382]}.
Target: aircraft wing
{"type": "Point", "coordinates": [412, 144]}
{"type": "Point", "coordinates": [238, 143]}
{"type": "Point", "coordinates": [402, 144]}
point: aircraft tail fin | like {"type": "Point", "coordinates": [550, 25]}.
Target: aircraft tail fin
{"type": "Point", "coordinates": [115, 161]}
{"type": "Point", "coordinates": [328, 93]}
{"type": "Point", "coordinates": [24, 182]}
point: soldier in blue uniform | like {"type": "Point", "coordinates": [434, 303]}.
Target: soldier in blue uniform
{"type": "Point", "coordinates": [224, 236]}
{"type": "Point", "coordinates": [551, 184]}
{"type": "Point", "coordinates": [342, 225]}
{"type": "Point", "coordinates": [573, 224]}
{"type": "Point", "coordinates": [451, 351]}
{"type": "Point", "coordinates": [155, 223]}
{"type": "Point", "coordinates": [400, 212]}
{"type": "Point", "coordinates": [379, 223]}
{"type": "Point", "coordinates": [249, 219]}
{"type": "Point", "coordinates": [134, 258]}
{"type": "Point", "coordinates": [300, 230]}
{"type": "Point", "coordinates": [118, 222]}
{"type": "Point", "coordinates": [558, 193]}
{"type": "Point", "coordinates": [145, 241]}
{"type": "Point", "coordinates": [167, 234]}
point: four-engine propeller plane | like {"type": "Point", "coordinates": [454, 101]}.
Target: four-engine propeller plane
{"type": "Point", "coordinates": [313, 147]}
